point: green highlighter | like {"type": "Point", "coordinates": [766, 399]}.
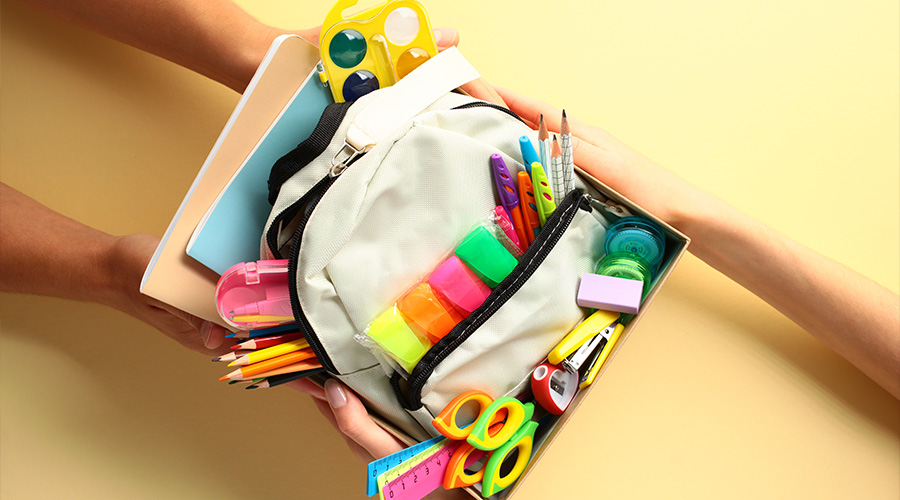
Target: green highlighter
{"type": "Point", "coordinates": [486, 256]}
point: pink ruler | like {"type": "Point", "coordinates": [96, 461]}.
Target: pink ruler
{"type": "Point", "coordinates": [422, 478]}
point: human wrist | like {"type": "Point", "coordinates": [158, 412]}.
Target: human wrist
{"type": "Point", "coordinates": [109, 273]}
{"type": "Point", "coordinates": [249, 54]}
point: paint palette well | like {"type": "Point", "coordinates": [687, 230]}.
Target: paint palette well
{"type": "Point", "coordinates": [374, 48]}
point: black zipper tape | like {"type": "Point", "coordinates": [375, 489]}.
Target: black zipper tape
{"type": "Point", "coordinates": [307, 202]}
{"type": "Point", "coordinates": [287, 166]}
{"type": "Point", "coordinates": [314, 195]}
{"type": "Point", "coordinates": [483, 104]}
{"type": "Point", "coordinates": [308, 150]}
{"type": "Point", "coordinates": [545, 241]}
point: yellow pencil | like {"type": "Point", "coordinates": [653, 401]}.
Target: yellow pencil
{"type": "Point", "coordinates": [269, 352]}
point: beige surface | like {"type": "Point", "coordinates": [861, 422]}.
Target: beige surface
{"type": "Point", "coordinates": [789, 110]}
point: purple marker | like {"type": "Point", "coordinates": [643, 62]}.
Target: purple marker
{"type": "Point", "coordinates": [509, 197]}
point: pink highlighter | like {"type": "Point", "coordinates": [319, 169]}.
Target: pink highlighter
{"type": "Point", "coordinates": [505, 223]}
{"type": "Point", "coordinates": [459, 285]}
{"type": "Point", "coordinates": [252, 295]}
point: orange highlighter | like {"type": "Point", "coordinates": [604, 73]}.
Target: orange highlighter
{"type": "Point", "coordinates": [509, 198]}
{"type": "Point", "coordinates": [528, 206]}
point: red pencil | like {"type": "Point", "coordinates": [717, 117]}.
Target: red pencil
{"type": "Point", "coordinates": [262, 343]}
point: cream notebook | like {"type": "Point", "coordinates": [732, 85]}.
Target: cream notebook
{"type": "Point", "coordinates": [172, 276]}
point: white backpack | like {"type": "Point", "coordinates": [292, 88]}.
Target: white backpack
{"type": "Point", "coordinates": [359, 233]}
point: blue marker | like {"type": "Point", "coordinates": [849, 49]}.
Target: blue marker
{"type": "Point", "coordinates": [529, 155]}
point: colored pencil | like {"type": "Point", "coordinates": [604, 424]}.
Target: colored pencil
{"type": "Point", "coordinates": [261, 368]}
{"type": "Point", "coordinates": [543, 142]}
{"type": "Point", "coordinates": [276, 380]}
{"type": "Point", "coordinates": [307, 364]}
{"type": "Point", "coordinates": [270, 352]}
{"type": "Point", "coordinates": [274, 330]}
{"type": "Point", "coordinates": [262, 343]}
{"type": "Point", "coordinates": [231, 356]}
{"type": "Point", "coordinates": [244, 381]}
{"type": "Point", "coordinates": [544, 151]}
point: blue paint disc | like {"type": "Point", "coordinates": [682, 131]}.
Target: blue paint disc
{"type": "Point", "coordinates": [358, 84]}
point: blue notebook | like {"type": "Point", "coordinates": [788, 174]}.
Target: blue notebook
{"type": "Point", "coordinates": [230, 231]}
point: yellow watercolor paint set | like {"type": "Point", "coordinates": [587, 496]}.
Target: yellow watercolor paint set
{"type": "Point", "coordinates": [374, 48]}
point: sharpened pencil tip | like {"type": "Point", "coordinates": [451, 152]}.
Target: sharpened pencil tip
{"type": "Point", "coordinates": [254, 386]}
{"type": "Point", "coordinates": [222, 379]}
{"type": "Point", "coordinates": [217, 359]}
{"type": "Point", "coordinates": [564, 113]}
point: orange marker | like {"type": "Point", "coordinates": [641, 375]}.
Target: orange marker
{"type": "Point", "coordinates": [528, 206]}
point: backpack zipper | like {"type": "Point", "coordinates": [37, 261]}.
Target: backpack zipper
{"type": "Point", "coordinates": [309, 205]}
{"type": "Point", "coordinates": [545, 242]}
{"type": "Point", "coordinates": [345, 157]}
{"type": "Point", "coordinates": [483, 104]}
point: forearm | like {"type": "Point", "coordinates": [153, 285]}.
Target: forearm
{"type": "Point", "coordinates": [215, 38]}
{"type": "Point", "coordinates": [851, 314]}
{"type": "Point", "coordinates": [43, 252]}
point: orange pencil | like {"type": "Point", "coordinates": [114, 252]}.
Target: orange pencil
{"type": "Point", "coordinates": [529, 209]}
{"type": "Point", "coordinates": [269, 364]}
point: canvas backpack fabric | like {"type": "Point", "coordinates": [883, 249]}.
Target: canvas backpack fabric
{"type": "Point", "coordinates": [359, 234]}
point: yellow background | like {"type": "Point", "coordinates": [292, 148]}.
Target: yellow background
{"type": "Point", "coordinates": [788, 110]}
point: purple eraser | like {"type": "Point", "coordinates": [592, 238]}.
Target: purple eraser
{"type": "Point", "coordinates": [610, 293]}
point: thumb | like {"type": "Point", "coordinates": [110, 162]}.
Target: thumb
{"type": "Point", "coordinates": [353, 421]}
{"type": "Point", "coordinates": [445, 38]}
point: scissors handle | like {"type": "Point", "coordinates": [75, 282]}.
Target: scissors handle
{"type": "Point", "coordinates": [446, 423]}
{"type": "Point", "coordinates": [516, 415]}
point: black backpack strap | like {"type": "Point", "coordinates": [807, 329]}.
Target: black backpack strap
{"type": "Point", "coordinates": [308, 150]}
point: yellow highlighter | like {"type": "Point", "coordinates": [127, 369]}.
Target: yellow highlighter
{"type": "Point", "coordinates": [594, 369]}
{"type": "Point", "coordinates": [594, 324]}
